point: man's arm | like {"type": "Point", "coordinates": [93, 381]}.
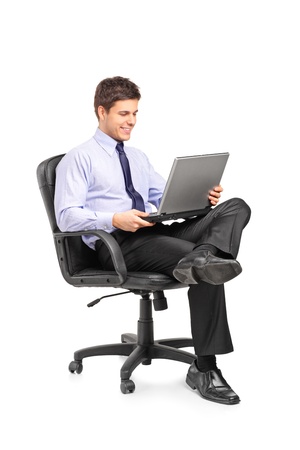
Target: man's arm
{"type": "Point", "coordinates": [72, 185]}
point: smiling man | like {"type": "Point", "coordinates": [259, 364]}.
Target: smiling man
{"type": "Point", "coordinates": [103, 185]}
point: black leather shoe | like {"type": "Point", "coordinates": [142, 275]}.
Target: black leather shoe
{"type": "Point", "coordinates": [211, 385]}
{"type": "Point", "coordinates": [204, 266]}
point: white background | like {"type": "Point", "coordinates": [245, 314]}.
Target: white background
{"type": "Point", "coordinates": [214, 76]}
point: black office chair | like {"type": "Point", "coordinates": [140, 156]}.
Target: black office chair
{"type": "Point", "coordinates": [80, 267]}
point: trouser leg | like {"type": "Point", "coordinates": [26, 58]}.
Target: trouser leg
{"type": "Point", "coordinates": [148, 249]}
{"type": "Point", "coordinates": [161, 247]}
{"type": "Point", "coordinates": [222, 227]}
{"type": "Point", "coordinates": [209, 325]}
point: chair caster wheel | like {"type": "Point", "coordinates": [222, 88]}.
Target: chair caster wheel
{"type": "Point", "coordinates": [127, 386]}
{"type": "Point", "coordinates": [75, 366]}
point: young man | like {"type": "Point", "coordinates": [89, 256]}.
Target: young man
{"type": "Point", "coordinates": [97, 187]}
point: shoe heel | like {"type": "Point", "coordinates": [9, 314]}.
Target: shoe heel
{"type": "Point", "coordinates": [190, 383]}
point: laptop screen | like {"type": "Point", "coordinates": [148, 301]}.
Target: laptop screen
{"type": "Point", "coordinates": [190, 180]}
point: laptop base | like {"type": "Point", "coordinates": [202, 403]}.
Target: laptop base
{"type": "Point", "coordinates": [154, 217]}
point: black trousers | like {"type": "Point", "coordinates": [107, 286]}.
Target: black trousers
{"type": "Point", "coordinates": [160, 248]}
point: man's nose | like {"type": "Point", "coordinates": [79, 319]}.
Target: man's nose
{"type": "Point", "coordinates": [131, 119]}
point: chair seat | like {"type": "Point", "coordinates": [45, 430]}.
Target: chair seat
{"type": "Point", "coordinates": [135, 280]}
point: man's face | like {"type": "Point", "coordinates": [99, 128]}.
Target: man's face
{"type": "Point", "coordinates": [120, 120]}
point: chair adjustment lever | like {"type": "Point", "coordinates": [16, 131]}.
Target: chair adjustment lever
{"type": "Point", "coordinates": [94, 302]}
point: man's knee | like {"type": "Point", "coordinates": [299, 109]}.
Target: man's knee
{"type": "Point", "coordinates": [244, 209]}
{"type": "Point", "coordinates": [240, 206]}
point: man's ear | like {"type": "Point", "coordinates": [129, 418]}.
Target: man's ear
{"type": "Point", "coordinates": [101, 112]}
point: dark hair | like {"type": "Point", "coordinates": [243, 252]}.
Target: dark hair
{"type": "Point", "coordinates": [110, 90]}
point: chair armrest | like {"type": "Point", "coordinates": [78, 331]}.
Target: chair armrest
{"type": "Point", "coordinates": [112, 245]}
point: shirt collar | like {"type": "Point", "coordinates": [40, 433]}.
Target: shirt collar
{"type": "Point", "coordinates": [106, 142]}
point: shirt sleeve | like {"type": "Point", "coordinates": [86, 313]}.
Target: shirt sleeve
{"type": "Point", "coordinates": [71, 188]}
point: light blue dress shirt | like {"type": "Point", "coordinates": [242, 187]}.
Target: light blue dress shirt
{"type": "Point", "coordinates": [90, 186]}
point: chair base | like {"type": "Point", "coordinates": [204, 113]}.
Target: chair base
{"type": "Point", "coordinates": [139, 348]}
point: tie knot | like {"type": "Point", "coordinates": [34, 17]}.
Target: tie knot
{"type": "Point", "coordinates": [120, 147]}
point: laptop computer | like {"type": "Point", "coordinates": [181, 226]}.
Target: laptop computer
{"type": "Point", "coordinates": [188, 185]}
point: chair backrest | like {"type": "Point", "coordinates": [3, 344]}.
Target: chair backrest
{"type": "Point", "coordinates": [80, 256]}
{"type": "Point", "coordinates": [46, 175]}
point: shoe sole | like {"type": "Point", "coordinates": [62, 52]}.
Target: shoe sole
{"type": "Point", "coordinates": [190, 383]}
{"type": "Point", "coordinates": [215, 273]}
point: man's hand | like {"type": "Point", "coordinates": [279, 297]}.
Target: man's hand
{"type": "Point", "coordinates": [131, 220]}
{"type": "Point", "coordinates": [215, 194]}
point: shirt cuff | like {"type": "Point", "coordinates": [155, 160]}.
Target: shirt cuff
{"type": "Point", "coordinates": [104, 221]}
